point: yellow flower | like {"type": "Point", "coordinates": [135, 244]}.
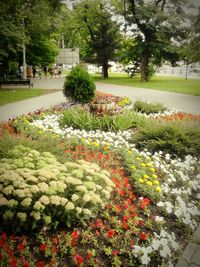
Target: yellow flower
{"type": "Point", "coordinates": [133, 167]}
{"type": "Point", "coordinates": [143, 164]}
{"type": "Point", "coordinates": [156, 182]}
{"type": "Point", "coordinates": [130, 152]}
{"type": "Point", "coordinates": [146, 176]}
{"type": "Point", "coordinates": [149, 164]}
{"type": "Point", "coordinates": [154, 176]}
{"type": "Point", "coordinates": [141, 181]}
{"type": "Point", "coordinates": [152, 169]}
{"type": "Point", "coordinates": [158, 189]}
{"type": "Point", "coordinates": [149, 183]}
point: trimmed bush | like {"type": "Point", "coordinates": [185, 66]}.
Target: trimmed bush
{"type": "Point", "coordinates": [79, 86]}
{"type": "Point", "coordinates": [178, 139]}
{"type": "Point", "coordinates": [145, 107]}
{"type": "Point", "coordinates": [37, 191]}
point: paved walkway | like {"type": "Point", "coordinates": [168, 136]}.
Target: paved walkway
{"type": "Point", "coordinates": [191, 254]}
{"type": "Point", "coordinates": [182, 102]}
{"type": "Point", "coordinates": [186, 103]}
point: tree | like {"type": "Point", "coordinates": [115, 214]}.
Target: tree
{"type": "Point", "coordinates": [157, 29]}
{"type": "Point", "coordinates": [191, 46]}
{"type": "Point", "coordinates": [95, 32]}
{"type": "Point", "coordinates": [30, 23]}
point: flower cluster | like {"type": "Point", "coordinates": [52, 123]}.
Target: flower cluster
{"type": "Point", "coordinates": [33, 184]}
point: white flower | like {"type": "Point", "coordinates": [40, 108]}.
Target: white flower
{"type": "Point", "coordinates": [55, 200]}
{"type": "Point", "coordinates": [22, 216]}
{"type": "Point", "coordinates": [44, 200]}
{"type": "Point", "coordinates": [8, 215]}
{"type": "Point", "coordinates": [69, 206]}
{"type": "Point", "coordinates": [8, 190]}
{"type": "Point", "coordinates": [74, 197]}
{"type": "Point", "coordinates": [3, 201]}
{"type": "Point", "coordinates": [36, 215]}
{"type": "Point", "coordinates": [26, 202]}
{"type": "Point", "coordinates": [87, 212]}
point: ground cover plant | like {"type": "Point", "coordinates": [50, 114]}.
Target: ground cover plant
{"type": "Point", "coordinates": [17, 94]}
{"type": "Point", "coordinates": [148, 203]}
{"type": "Point", "coordinates": [162, 83]}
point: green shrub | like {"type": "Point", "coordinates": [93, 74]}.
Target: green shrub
{"type": "Point", "coordinates": [176, 138]}
{"type": "Point", "coordinates": [145, 107]}
{"type": "Point", "coordinates": [37, 191]}
{"type": "Point", "coordinates": [79, 85]}
{"type": "Point", "coordinates": [82, 119]}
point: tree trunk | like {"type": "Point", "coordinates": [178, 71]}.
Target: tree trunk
{"type": "Point", "coordinates": [144, 67]}
{"type": "Point", "coordinates": [105, 70]}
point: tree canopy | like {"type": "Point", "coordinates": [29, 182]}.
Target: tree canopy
{"type": "Point", "coordinates": [31, 23]}
{"type": "Point", "coordinates": [94, 31]}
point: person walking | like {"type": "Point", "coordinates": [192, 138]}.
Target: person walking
{"type": "Point", "coordinates": [34, 71]}
{"type": "Point", "coordinates": [40, 72]}
{"type": "Point", "coordinates": [45, 71]}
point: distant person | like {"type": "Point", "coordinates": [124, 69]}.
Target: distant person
{"type": "Point", "coordinates": [22, 72]}
{"type": "Point", "coordinates": [51, 72]}
{"type": "Point", "coordinates": [40, 72]}
{"type": "Point", "coordinates": [45, 71]}
{"type": "Point", "coordinates": [34, 71]}
{"type": "Point", "coordinates": [59, 71]}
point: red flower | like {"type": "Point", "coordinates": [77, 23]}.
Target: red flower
{"type": "Point", "coordinates": [4, 236]}
{"type": "Point", "coordinates": [54, 250]}
{"type": "Point", "coordinates": [131, 242]}
{"type": "Point", "coordinates": [55, 240]}
{"type": "Point", "coordinates": [110, 233]}
{"type": "Point", "coordinates": [2, 242]}
{"type": "Point", "coordinates": [124, 225]}
{"type": "Point", "coordinates": [12, 262]}
{"type": "Point", "coordinates": [20, 247]}
{"type": "Point", "coordinates": [79, 259]}
{"type": "Point", "coordinates": [41, 264]}
{"type": "Point", "coordinates": [43, 247]}
{"type": "Point", "coordinates": [143, 236]}
{"type": "Point", "coordinates": [115, 252]}
{"type": "Point", "coordinates": [144, 202]}
{"type": "Point", "coordinates": [118, 208]}
{"type": "Point", "coordinates": [122, 193]}
{"type": "Point", "coordinates": [75, 234]}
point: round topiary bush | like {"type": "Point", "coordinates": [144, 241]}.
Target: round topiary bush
{"type": "Point", "coordinates": [79, 86]}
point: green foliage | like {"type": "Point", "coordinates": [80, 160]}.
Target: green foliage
{"type": "Point", "coordinates": [41, 143]}
{"type": "Point", "coordinates": [145, 107]}
{"type": "Point", "coordinates": [92, 29]}
{"type": "Point", "coordinates": [176, 138]}
{"type": "Point", "coordinates": [39, 191]}
{"type": "Point", "coordinates": [142, 174]}
{"type": "Point", "coordinates": [82, 119]}
{"type": "Point", "coordinates": [79, 85]}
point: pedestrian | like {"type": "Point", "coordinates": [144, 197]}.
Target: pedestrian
{"type": "Point", "coordinates": [45, 71]}
{"type": "Point", "coordinates": [40, 72]}
{"type": "Point", "coordinates": [34, 71]}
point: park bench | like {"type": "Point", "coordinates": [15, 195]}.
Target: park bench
{"type": "Point", "coordinates": [16, 82]}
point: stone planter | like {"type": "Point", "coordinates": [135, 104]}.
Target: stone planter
{"type": "Point", "coordinates": [102, 107]}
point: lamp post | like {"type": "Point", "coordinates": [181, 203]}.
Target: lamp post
{"type": "Point", "coordinates": [187, 66]}
{"type": "Point", "coordinates": [24, 62]}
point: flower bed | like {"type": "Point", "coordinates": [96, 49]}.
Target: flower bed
{"type": "Point", "coordinates": [147, 209]}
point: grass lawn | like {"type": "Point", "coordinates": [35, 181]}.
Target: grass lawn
{"type": "Point", "coordinates": [13, 94]}
{"type": "Point", "coordinates": [163, 83]}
